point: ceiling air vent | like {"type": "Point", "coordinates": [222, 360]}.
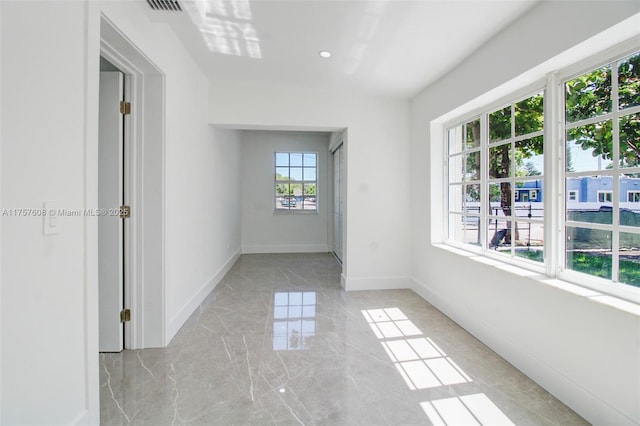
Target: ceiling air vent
{"type": "Point", "coordinates": [170, 5]}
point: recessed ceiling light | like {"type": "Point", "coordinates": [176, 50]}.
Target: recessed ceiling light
{"type": "Point", "coordinates": [324, 54]}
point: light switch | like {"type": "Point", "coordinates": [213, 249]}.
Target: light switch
{"type": "Point", "coordinates": [50, 220]}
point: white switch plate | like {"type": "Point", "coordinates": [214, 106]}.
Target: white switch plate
{"type": "Point", "coordinates": [50, 220]}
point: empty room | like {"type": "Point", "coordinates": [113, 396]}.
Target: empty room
{"type": "Point", "coordinates": [332, 212]}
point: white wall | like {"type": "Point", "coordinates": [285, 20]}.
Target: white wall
{"type": "Point", "coordinates": [43, 327]}
{"type": "Point", "coordinates": [203, 232]}
{"type": "Point", "coordinates": [377, 155]}
{"type": "Point", "coordinates": [264, 231]}
{"type": "Point", "coordinates": [49, 142]}
{"type": "Point", "coordinates": [582, 350]}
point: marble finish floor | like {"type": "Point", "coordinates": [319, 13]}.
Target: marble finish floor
{"type": "Point", "coordinates": [279, 343]}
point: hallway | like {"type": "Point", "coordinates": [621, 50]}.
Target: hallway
{"type": "Point", "coordinates": [279, 342]}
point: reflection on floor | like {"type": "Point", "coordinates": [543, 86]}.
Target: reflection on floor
{"type": "Point", "coordinates": [278, 342]}
{"type": "Point", "coordinates": [294, 319]}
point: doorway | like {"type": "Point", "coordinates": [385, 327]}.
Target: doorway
{"type": "Point", "coordinates": [338, 201]}
{"type": "Point", "coordinates": [144, 189]}
{"type": "Point", "coordinates": [112, 192]}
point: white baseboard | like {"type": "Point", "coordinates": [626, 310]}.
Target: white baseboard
{"type": "Point", "coordinates": [285, 248]}
{"type": "Point", "coordinates": [375, 283]}
{"type": "Point", "coordinates": [579, 399]}
{"type": "Point", "coordinates": [189, 308]}
{"type": "Point", "coordinates": [81, 419]}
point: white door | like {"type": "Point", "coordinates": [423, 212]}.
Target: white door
{"type": "Point", "coordinates": [110, 197]}
{"type": "Point", "coordinates": [338, 201]}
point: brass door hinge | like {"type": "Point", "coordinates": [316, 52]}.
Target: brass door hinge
{"type": "Point", "coordinates": [125, 315]}
{"type": "Point", "coordinates": [125, 212]}
{"type": "Point", "coordinates": [125, 108]}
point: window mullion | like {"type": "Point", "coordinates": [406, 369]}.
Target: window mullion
{"type": "Point", "coordinates": [554, 178]}
{"type": "Point", "coordinates": [615, 125]}
{"type": "Point", "coordinates": [512, 183]}
{"type": "Point", "coordinates": [590, 120]}
{"type": "Point", "coordinates": [484, 176]}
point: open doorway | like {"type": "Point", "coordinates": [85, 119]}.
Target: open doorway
{"type": "Point", "coordinates": [143, 190]}
{"type": "Point", "coordinates": [338, 149]}
{"type": "Point", "coordinates": [338, 201]}
{"type": "Point", "coordinates": [113, 241]}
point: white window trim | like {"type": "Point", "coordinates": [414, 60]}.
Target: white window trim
{"type": "Point", "coordinates": [607, 286]}
{"type": "Point", "coordinates": [555, 196]}
{"type": "Point", "coordinates": [482, 113]}
{"type": "Point", "coordinates": [280, 211]}
{"type": "Point", "coordinates": [576, 193]}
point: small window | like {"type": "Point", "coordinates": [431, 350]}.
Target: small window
{"type": "Point", "coordinates": [533, 194]}
{"type": "Point", "coordinates": [605, 196]}
{"type": "Point", "coordinates": [573, 195]}
{"type": "Point", "coordinates": [296, 175]}
{"type": "Point", "coordinates": [633, 196]}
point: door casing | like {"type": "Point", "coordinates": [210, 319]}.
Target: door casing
{"type": "Point", "coordinates": [144, 171]}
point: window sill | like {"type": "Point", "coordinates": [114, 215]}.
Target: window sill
{"type": "Point", "coordinates": [628, 306]}
{"type": "Point", "coordinates": [295, 212]}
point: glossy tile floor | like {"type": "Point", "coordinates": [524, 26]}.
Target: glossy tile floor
{"type": "Point", "coordinates": [278, 342]}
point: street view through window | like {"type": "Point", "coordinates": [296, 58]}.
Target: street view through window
{"type": "Point", "coordinates": [296, 181]}
{"type": "Point", "coordinates": [496, 176]}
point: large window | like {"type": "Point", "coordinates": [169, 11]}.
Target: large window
{"type": "Point", "coordinates": [496, 165]}
{"type": "Point", "coordinates": [497, 180]}
{"type": "Point", "coordinates": [296, 175]}
{"type": "Point", "coordinates": [602, 136]}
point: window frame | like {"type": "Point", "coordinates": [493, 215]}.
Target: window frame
{"type": "Point", "coordinates": [599, 60]}
{"type": "Point", "coordinates": [635, 194]}
{"type": "Point", "coordinates": [276, 182]}
{"type": "Point", "coordinates": [607, 196]}
{"type": "Point", "coordinates": [555, 195]}
{"type": "Point", "coordinates": [482, 113]}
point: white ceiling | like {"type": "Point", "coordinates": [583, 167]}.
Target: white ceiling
{"type": "Point", "coordinates": [389, 47]}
